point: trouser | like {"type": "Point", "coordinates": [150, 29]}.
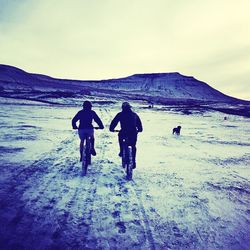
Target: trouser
{"type": "Point", "coordinates": [83, 133]}
{"type": "Point", "coordinates": [132, 139]}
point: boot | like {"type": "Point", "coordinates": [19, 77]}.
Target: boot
{"type": "Point", "coordinates": [134, 165]}
{"type": "Point", "coordinates": [93, 152]}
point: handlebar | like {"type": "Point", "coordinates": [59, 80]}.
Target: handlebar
{"type": "Point", "coordinates": [117, 130]}
{"type": "Point", "coordinates": [93, 128]}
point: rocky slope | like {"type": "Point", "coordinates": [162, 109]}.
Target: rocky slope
{"type": "Point", "coordinates": [155, 86]}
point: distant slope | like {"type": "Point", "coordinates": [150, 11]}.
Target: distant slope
{"type": "Point", "coordinates": [168, 85]}
{"type": "Point", "coordinates": [12, 78]}
{"type": "Point", "coordinates": [155, 85]}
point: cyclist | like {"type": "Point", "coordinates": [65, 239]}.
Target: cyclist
{"type": "Point", "coordinates": [86, 116]}
{"type": "Point", "coordinates": [130, 126]}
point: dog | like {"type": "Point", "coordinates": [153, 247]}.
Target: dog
{"type": "Point", "coordinates": [177, 130]}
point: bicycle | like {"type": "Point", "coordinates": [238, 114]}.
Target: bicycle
{"type": "Point", "coordinates": [127, 157]}
{"type": "Point", "coordinates": [86, 153]}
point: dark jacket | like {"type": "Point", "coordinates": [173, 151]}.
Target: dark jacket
{"type": "Point", "coordinates": [129, 120]}
{"type": "Point", "coordinates": [86, 117]}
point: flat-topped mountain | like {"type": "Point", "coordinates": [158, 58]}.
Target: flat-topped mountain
{"type": "Point", "coordinates": [154, 85]}
{"type": "Point", "coordinates": [169, 85]}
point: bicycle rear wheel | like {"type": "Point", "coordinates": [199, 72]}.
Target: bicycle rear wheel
{"type": "Point", "coordinates": [88, 151]}
{"type": "Point", "coordinates": [124, 158]}
{"type": "Point", "coordinates": [84, 162]}
{"type": "Point", "coordinates": [88, 156]}
{"type": "Point", "coordinates": [129, 164]}
{"type": "Point", "coordinates": [86, 159]}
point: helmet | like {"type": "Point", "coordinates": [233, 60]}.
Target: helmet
{"type": "Point", "coordinates": [87, 105]}
{"type": "Point", "coordinates": [126, 106]}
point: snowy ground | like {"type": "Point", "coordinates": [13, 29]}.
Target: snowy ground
{"type": "Point", "coordinates": [188, 192]}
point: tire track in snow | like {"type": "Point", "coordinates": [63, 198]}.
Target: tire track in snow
{"type": "Point", "coordinates": [52, 187]}
{"type": "Point", "coordinates": [88, 203]}
{"type": "Point", "coordinates": [90, 196]}
{"type": "Point", "coordinates": [28, 201]}
{"type": "Point", "coordinates": [129, 194]}
{"type": "Point", "coordinates": [145, 217]}
{"type": "Point", "coordinates": [43, 185]}
{"type": "Point", "coordinates": [94, 199]}
{"type": "Point", "coordinates": [28, 176]}
{"type": "Point", "coordinates": [78, 224]}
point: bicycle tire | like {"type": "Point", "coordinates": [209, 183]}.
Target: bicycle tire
{"type": "Point", "coordinates": [84, 162]}
{"type": "Point", "coordinates": [129, 168]}
{"type": "Point", "coordinates": [88, 156]}
{"type": "Point", "coordinates": [124, 158]}
{"type": "Point", "coordinates": [89, 146]}
{"type": "Point", "coordinates": [86, 159]}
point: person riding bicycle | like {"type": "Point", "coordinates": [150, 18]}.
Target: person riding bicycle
{"type": "Point", "coordinates": [130, 126]}
{"type": "Point", "coordinates": [86, 116]}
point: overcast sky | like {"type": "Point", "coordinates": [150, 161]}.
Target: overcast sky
{"type": "Point", "coordinates": [100, 39]}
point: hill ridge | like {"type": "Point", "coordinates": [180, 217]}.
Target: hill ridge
{"type": "Point", "coordinates": [169, 85]}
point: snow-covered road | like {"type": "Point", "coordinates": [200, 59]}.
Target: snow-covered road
{"type": "Point", "coordinates": [188, 192]}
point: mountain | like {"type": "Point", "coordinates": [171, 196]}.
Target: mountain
{"type": "Point", "coordinates": [154, 86]}
{"type": "Point", "coordinates": [168, 85]}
